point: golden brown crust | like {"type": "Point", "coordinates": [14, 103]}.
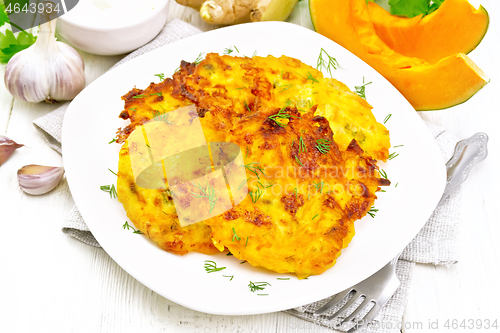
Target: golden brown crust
{"type": "Point", "coordinates": [303, 200]}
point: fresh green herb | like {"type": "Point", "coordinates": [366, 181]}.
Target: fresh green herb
{"type": "Point", "coordinates": [372, 211]}
{"type": "Point", "coordinates": [282, 115]}
{"type": "Point", "coordinates": [262, 294]}
{"type": "Point", "coordinates": [323, 145]}
{"type": "Point", "coordinates": [393, 155]}
{"type": "Point", "coordinates": [382, 191]}
{"type": "Point", "coordinates": [387, 117]}
{"type": "Point", "coordinates": [396, 185]}
{"type": "Point", "coordinates": [257, 286]}
{"type": "Point", "coordinates": [133, 109]}
{"type": "Point", "coordinates": [235, 236]}
{"type": "Point", "coordinates": [199, 58]}
{"type": "Point", "coordinates": [157, 94]}
{"type": "Point", "coordinates": [246, 106]}
{"type": "Point", "coordinates": [254, 168]}
{"type": "Point", "coordinates": [283, 278]}
{"type": "Point", "coordinates": [236, 49]}
{"type": "Point", "coordinates": [246, 155]}
{"type": "Point", "coordinates": [208, 193]}
{"type": "Point", "coordinates": [360, 90]}
{"type": "Point", "coordinates": [110, 189]}
{"type": "Point", "coordinates": [284, 87]}
{"type": "Point", "coordinates": [246, 242]}
{"type": "Point", "coordinates": [110, 142]}
{"type": "Point", "coordinates": [322, 63]}
{"type": "Point", "coordinates": [161, 76]}
{"type": "Point", "coordinates": [311, 77]}
{"type": "Point", "coordinates": [254, 53]}
{"type": "Point", "coordinates": [9, 43]}
{"type": "Point", "coordinates": [298, 160]}
{"type": "Point", "coordinates": [161, 116]}
{"type": "Point", "coordinates": [264, 187]}
{"type": "Point", "coordinates": [240, 88]}
{"type": "Point", "coordinates": [229, 254]}
{"type": "Point", "coordinates": [138, 96]}
{"type": "Point", "coordinates": [243, 183]}
{"type": "Point", "coordinates": [319, 186]}
{"type": "Point", "coordinates": [112, 172]}
{"type": "Point", "coordinates": [255, 195]}
{"type": "Point", "coordinates": [128, 227]}
{"type": "Point", "coordinates": [244, 261]}
{"type": "Point", "coordinates": [302, 145]}
{"type": "Point", "coordinates": [228, 50]}
{"type": "Point", "coordinates": [315, 216]}
{"type": "Point", "coordinates": [229, 276]}
{"type": "Point", "coordinates": [412, 8]}
{"type": "Point", "coordinates": [383, 173]}
{"type": "Point", "coordinates": [398, 146]}
{"type": "Point", "coordinates": [211, 266]}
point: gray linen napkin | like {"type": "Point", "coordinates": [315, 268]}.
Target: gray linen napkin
{"type": "Point", "coordinates": [436, 243]}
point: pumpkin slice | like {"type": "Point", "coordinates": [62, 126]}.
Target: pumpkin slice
{"type": "Point", "coordinates": [455, 27]}
{"type": "Point", "coordinates": [426, 86]}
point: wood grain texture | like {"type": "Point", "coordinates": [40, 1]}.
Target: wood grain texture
{"type": "Point", "coordinates": [50, 282]}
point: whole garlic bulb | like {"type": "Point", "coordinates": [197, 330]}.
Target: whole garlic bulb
{"type": "Point", "coordinates": [46, 71]}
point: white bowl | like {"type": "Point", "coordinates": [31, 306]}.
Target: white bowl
{"type": "Point", "coordinates": [98, 27]}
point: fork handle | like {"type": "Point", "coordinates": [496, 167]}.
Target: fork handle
{"type": "Point", "coordinates": [468, 152]}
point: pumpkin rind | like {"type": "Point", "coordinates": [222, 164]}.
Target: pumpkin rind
{"type": "Point", "coordinates": [455, 27]}
{"type": "Point", "coordinates": [426, 86]}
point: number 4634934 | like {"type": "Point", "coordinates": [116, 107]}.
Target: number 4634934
{"type": "Point", "coordinates": [471, 324]}
{"type": "Point", "coordinates": [32, 8]}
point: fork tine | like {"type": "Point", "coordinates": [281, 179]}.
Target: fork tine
{"type": "Point", "coordinates": [358, 310]}
{"type": "Point", "coordinates": [354, 298]}
{"type": "Point", "coordinates": [366, 319]}
{"type": "Point", "coordinates": [333, 302]}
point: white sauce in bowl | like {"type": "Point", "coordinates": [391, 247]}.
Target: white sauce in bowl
{"type": "Point", "coordinates": [111, 13]}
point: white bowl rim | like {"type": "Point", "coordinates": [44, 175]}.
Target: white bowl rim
{"type": "Point", "coordinates": [154, 13]}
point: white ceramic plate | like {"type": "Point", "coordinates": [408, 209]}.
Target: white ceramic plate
{"type": "Point", "coordinates": [91, 122]}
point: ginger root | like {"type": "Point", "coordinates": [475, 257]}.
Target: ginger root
{"type": "Point", "coordinates": [241, 11]}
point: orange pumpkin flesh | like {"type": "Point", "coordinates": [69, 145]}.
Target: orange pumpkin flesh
{"type": "Point", "coordinates": [455, 27]}
{"type": "Point", "coordinates": [449, 82]}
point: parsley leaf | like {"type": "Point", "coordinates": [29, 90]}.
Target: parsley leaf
{"type": "Point", "coordinates": [409, 8]}
{"type": "Point", "coordinates": [9, 43]}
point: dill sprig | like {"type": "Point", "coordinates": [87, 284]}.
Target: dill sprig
{"type": "Point", "coordinates": [133, 109]}
{"type": "Point", "coordinates": [282, 115]}
{"type": "Point", "coordinates": [110, 142]}
{"type": "Point", "coordinates": [383, 173]}
{"type": "Point", "coordinates": [161, 76]}
{"type": "Point", "coordinates": [315, 216]}
{"type": "Point", "coordinates": [246, 106]}
{"type": "Point", "coordinates": [110, 189]}
{"type": "Point", "coordinates": [211, 266]}
{"type": "Point", "coordinates": [255, 195]}
{"type": "Point", "coordinates": [138, 96]}
{"type": "Point", "coordinates": [284, 87]}
{"type": "Point", "coordinates": [319, 186]}
{"type": "Point", "coordinates": [157, 94]}
{"type": "Point", "coordinates": [161, 116]}
{"type": "Point", "coordinates": [228, 50]}
{"type": "Point", "coordinates": [302, 145]}
{"type": "Point", "coordinates": [257, 286]}
{"type": "Point", "coordinates": [254, 169]}
{"type": "Point", "coordinates": [322, 63]}
{"type": "Point", "coordinates": [387, 117]}
{"type": "Point", "coordinates": [128, 227]}
{"type": "Point", "coordinates": [311, 77]}
{"type": "Point", "coordinates": [372, 211]}
{"type": "Point", "coordinates": [199, 58]}
{"type": "Point", "coordinates": [282, 278]}
{"type": "Point", "coordinates": [323, 145]}
{"type": "Point", "coordinates": [208, 193]}
{"type": "Point", "coordinates": [235, 236]}
{"type": "Point", "coordinates": [393, 155]}
{"type": "Point", "coordinates": [229, 276]}
{"type": "Point", "coordinates": [360, 90]}
{"type": "Point", "coordinates": [114, 173]}
{"type": "Point", "coordinates": [298, 160]}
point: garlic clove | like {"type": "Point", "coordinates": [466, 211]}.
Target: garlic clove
{"type": "Point", "coordinates": [39, 179]}
{"type": "Point", "coordinates": [7, 148]}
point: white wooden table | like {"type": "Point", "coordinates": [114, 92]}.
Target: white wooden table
{"type": "Point", "coordinates": [50, 282]}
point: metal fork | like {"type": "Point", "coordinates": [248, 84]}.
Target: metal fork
{"type": "Point", "coordinates": [382, 285]}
